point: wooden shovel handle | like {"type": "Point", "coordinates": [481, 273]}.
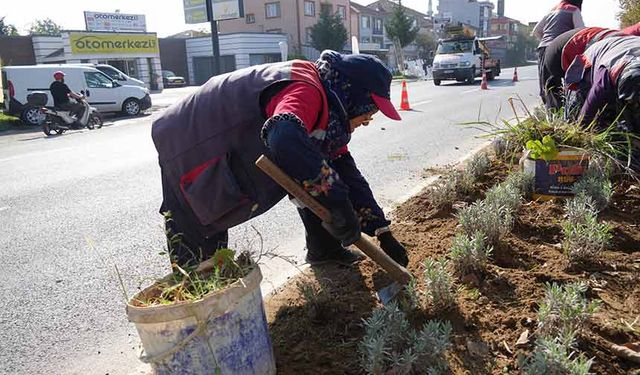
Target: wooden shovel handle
{"type": "Point", "coordinates": [374, 252]}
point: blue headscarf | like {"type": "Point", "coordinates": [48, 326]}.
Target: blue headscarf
{"type": "Point", "coordinates": [347, 100]}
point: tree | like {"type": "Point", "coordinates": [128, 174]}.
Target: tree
{"type": "Point", "coordinates": [426, 44]}
{"type": "Point", "coordinates": [7, 29]}
{"type": "Point", "coordinates": [329, 32]}
{"type": "Point", "coordinates": [630, 13]}
{"type": "Point", "coordinates": [401, 30]}
{"type": "Point", "coordinates": [45, 27]}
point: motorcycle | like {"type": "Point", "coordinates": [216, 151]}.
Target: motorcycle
{"type": "Point", "coordinates": [57, 121]}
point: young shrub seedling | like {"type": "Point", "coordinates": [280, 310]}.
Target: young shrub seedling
{"type": "Point", "coordinates": [470, 254]}
{"type": "Point", "coordinates": [478, 166]}
{"type": "Point", "coordinates": [390, 345]}
{"type": "Point", "coordinates": [556, 356]}
{"type": "Point", "coordinates": [444, 192]}
{"type": "Point", "coordinates": [597, 187]}
{"type": "Point", "coordinates": [580, 209]}
{"type": "Point", "coordinates": [586, 240]}
{"type": "Point", "coordinates": [521, 182]}
{"type": "Point", "coordinates": [505, 195]}
{"type": "Point", "coordinates": [439, 284]}
{"type": "Point", "coordinates": [485, 217]}
{"type": "Point", "coordinates": [564, 310]}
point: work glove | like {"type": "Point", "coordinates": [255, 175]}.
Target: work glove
{"type": "Point", "coordinates": [344, 226]}
{"type": "Point", "coordinates": [393, 248]}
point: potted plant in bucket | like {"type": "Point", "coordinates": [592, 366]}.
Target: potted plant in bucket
{"type": "Point", "coordinates": [206, 320]}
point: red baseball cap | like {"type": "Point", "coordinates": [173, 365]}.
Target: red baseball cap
{"type": "Point", "coordinates": [386, 107]}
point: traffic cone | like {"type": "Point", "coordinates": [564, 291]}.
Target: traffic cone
{"type": "Point", "coordinates": [485, 82]}
{"type": "Point", "coordinates": [515, 75]}
{"type": "Point", "coordinates": [404, 105]}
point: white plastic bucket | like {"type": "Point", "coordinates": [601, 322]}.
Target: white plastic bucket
{"type": "Point", "coordinates": [225, 333]}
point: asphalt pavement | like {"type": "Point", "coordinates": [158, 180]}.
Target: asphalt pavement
{"type": "Point", "coordinates": [75, 207]}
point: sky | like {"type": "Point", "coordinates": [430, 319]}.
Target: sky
{"type": "Point", "coordinates": [166, 17]}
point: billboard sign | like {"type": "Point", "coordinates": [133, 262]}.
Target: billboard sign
{"type": "Point", "coordinates": [98, 21]}
{"type": "Point", "coordinates": [227, 9]}
{"type": "Point", "coordinates": [195, 11]}
{"type": "Point", "coordinates": [106, 44]}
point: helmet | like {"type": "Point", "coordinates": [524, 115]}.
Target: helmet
{"type": "Point", "coordinates": [629, 82]}
{"type": "Point", "coordinates": [58, 75]}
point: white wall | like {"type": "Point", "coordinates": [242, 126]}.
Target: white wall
{"type": "Point", "coordinates": [241, 45]}
{"type": "Point", "coordinates": [43, 46]}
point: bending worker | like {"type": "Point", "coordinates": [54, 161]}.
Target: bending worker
{"type": "Point", "coordinates": [563, 17]}
{"type": "Point", "coordinates": [607, 79]}
{"type": "Point", "coordinates": [299, 114]}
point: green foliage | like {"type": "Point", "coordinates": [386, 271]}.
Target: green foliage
{"type": "Point", "coordinates": [630, 12]}
{"type": "Point", "coordinates": [580, 209]}
{"type": "Point", "coordinates": [400, 27]}
{"type": "Point", "coordinates": [7, 29]}
{"type": "Point", "coordinates": [443, 193]}
{"type": "Point", "coordinates": [585, 241]}
{"type": "Point", "coordinates": [504, 195]}
{"type": "Point", "coordinates": [45, 27]}
{"type": "Point", "coordinates": [478, 166]}
{"type": "Point", "coordinates": [390, 345]}
{"type": "Point", "coordinates": [329, 32]}
{"type": "Point", "coordinates": [564, 310]}
{"type": "Point", "coordinates": [545, 149]}
{"type": "Point", "coordinates": [521, 181]}
{"type": "Point", "coordinates": [426, 45]}
{"type": "Point", "coordinates": [483, 217]}
{"type": "Point", "coordinates": [470, 254]}
{"type": "Point", "coordinates": [556, 356]}
{"type": "Point", "coordinates": [598, 187]}
{"type": "Point", "coordinates": [439, 284]}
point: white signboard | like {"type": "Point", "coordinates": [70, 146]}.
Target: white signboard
{"type": "Point", "coordinates": [195, 11]}
{"type": "Point", "coordinates": [226, 9]}
{"type": "Point", "coordinates": [97, 21]}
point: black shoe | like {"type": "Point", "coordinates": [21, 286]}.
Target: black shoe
{"type": "Point", "coordinates": [340, 256]}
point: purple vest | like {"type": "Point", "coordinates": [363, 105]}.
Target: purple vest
{"type": "Point", "coordinates": [559, 21]}
{"type": "Point", "coordinates": [612, 53]}
{"type": "Point", "coordinates": [208, 143]}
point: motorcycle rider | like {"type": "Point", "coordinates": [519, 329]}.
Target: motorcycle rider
{"type": "Point", "coordinates": [61, 96]}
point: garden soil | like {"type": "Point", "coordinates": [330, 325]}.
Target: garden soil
{"type": "Point", "coordinates": [492, 310]}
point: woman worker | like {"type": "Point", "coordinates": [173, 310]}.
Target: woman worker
{"type": "Point", "coordinates": [299, 114]}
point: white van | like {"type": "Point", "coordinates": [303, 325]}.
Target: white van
{"type": "Point", "coordinates": [102, 92]}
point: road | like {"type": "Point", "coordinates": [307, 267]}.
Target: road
{"type": "Point", "coordinates": [74, 207]}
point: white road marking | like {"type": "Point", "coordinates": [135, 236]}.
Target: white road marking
{"type": "Point", "coordinates": [421, 103]}
{"type": "Point", "coordinates": [36, 153]}
{"type": "Point", "coordinates": [4, 208]}
{"type": "Point", "coordinates": [470, 91]}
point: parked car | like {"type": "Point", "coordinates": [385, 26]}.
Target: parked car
{"type": "Point", "coordinates": [100, 90]}
{"type": "Point", "coordinates": [170, 79]}
{"type": "Point", "coordinates": [115, 74]}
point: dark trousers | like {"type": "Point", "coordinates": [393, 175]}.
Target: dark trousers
{"type": "Point", "coordinates": [186, 245]}
{"type": "Point", "coordinates": [72, 108]}
{"type": "Point", "coordinates": [319, 241]}
{"type": "Point", "coordinates": [541, 74]}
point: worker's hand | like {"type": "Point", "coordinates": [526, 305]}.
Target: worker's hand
{"type": "Point", "coordinates": [393, 248]}
{"type": "Point", "coordinates": [344, 226]}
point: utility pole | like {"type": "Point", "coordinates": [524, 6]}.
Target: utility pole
{"type": "Point", "coordinates": [215, 42]}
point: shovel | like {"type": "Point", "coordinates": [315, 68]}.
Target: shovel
{"type": "Point", "coordinates": [396, 271]}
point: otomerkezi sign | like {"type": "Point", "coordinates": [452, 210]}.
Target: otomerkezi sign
{"type": "Point", "coordinates": [104, 44]}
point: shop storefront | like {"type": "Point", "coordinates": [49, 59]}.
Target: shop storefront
{"type": "Point", "coordinates": [135, 54]}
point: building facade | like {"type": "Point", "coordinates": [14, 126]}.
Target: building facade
{"type": "Point", "coordinates": [293, 18]}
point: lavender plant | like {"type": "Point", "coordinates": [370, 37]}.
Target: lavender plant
{"type": "Point", "coordinates": [564, 310]}
{"type": "Point", "coordinates": [597, 187]}
{"type": "Point", "coordinates": [556, 356]}
{"type": "Point", "coordinates": [439, 284]}
{"type": "Point", "coordinates": [585, 241]}
{"type": "Point", "coordinates": [469, 254]}
{"type": "Point", "coordinates": [390, 345]}
{"type": "Point", "coordinates": [492, 219]}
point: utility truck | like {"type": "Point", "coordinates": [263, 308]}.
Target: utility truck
{"type": "Point", "coordinates": [463, 58]}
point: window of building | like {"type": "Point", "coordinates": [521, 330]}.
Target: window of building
{"type": "Point", "coordinates": [308, 37]}
{"type": "Point", "coordinates": [326, 7]}
{"type": "Point", "coordinates": [310, 8]}
{"type": "Point", "coordinates": [250, 18]}
{"type": "Point", "coordinates": [377, 26]}
{"type": "Point", "coordinates": [364, 39]}
{"type": "Point", "coordinates": [342, 12]}
{"type": "Point", "coordinates": [272, 10]}
{"type": "Point", "coordinates": [264, 58]}
{"type": "Point", "coordinates": [366, 22]}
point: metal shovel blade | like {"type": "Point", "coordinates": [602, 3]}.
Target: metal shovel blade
{"type": "Point", "coordinates": [388, 293]}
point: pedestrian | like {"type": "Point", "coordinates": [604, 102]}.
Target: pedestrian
{"type": "Point", "coordinates": [607, 80]}
{"type": "Point", "coordinates": [302, 116]}
{"type": "Point", "coordinates": [560, 53]}
{"type": "Point", "coordinates": [563, 17]}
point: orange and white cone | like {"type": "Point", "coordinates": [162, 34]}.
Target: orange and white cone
{"type": "Point", "coordinates": [515, 75]}
{"type": "Point", "coordinates": [404, 105]}
{"type": "Point", "coordinates": [485, 82]}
